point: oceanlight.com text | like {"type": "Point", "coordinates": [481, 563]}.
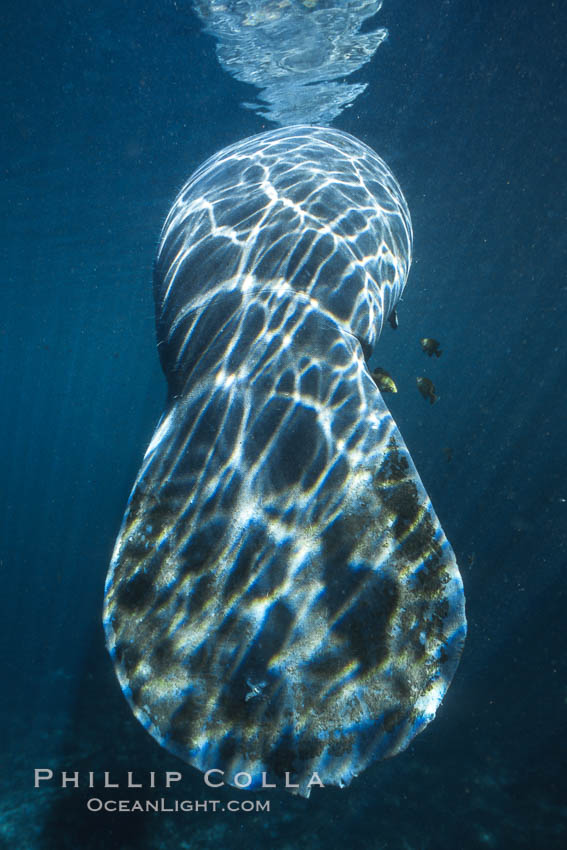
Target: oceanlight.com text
{"type": "Point", "coordinates": [95, 804]}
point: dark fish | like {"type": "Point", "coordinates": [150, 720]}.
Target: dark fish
{"type": "Point", "coordinates": [427, 389]}
{"type": "Point", "coordinates": [431, 347]}
{"type": "Point", "coordinates": [384, 381]}
{"type": "Point", "coordinates": [281, 595]}
{"type": "Point", "coordinates": [393, 319]}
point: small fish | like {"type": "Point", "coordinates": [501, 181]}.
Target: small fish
{"type": "Point", "coordinates": [431, 346]}
{"type": "Point", "coordinates": [393, 319]}
{"type": "Point", "coordinates": [427, 389]}
{"type": "Point", "coordinates": [384, 381]}
{"type": "Point", "coordinates": [255, 689]}
{"type": "Point", "coordinates": [448, 451]}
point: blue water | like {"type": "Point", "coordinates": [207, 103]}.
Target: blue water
{"type": "Point", "coordinates": [106, 110]}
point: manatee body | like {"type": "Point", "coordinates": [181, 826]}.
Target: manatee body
{"type": "Point", "coordinates": [281, 597]}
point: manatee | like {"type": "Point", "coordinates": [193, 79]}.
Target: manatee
{"type": "Point", "coordinates": [282, 598]}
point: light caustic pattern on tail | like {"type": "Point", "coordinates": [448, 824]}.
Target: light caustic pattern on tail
{"type": "Point", "coordinates": [281, 597]}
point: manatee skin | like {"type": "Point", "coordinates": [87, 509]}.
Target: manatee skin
{"type": "Point", "coordinates": [281, 597]}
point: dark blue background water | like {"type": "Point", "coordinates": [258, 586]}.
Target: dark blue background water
{"type": "Point", "coordinates": [106, 109]}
